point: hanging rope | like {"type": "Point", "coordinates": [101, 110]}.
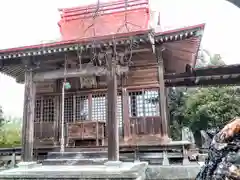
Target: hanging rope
{"type": "Point", "coordinates": [95, 15]}
{"type": "Point", "coordinates": [126, 22]}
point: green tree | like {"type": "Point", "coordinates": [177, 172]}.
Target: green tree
{"type": "Point", "coordinates": [10, 131]}
{"type": "Point", "coordinates": [205, 58]}
{"type": "Point", "coordinates": [211, 107]}
{"type": "Point", "coordinates": [176, 100]}
{"type": "Point", "coordinates": [1, 126]}
{"type": "Point", "coordinates": [184, 102]}
{"type": "Point", "coordinates": [1, 116]}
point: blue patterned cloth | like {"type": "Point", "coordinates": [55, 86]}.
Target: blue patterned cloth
{"type": "Point", "coordinates": [223, 162]}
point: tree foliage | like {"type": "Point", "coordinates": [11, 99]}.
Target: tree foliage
{"type": "Point", "coordinates": [205, 58]}
{"type": "Point", "coordinates": [176, 100]}
{"type": "Point", "coordinates": [202, 108]}
{"type": "Point", "coordinates": [211, 107]}
{"type": "Point", "coordinates": [11, 135]}
{"type": "Point", "coordinates": [1, 117]}
{"type": "Point", "coordinates": [10, 131]}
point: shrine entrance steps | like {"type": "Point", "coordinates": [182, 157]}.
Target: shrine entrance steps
{"type": "Point", "coordinates": [144, 163]}
{"type": "Point", "coordinates": [175, 152]}
{"type": "Point", "coordinates": [100, 157]}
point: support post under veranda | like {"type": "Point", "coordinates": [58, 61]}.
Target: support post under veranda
{"type": "Point", "coordinates": [112, 121]}
{"type": "Point", "coordinates": [28, 117]}
{"type": "Point", "coordinates": [162, 94]}
{"type": "Point", "coordinates": [62, 141]}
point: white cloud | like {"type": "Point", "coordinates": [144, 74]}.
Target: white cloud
{"type": "Point", "coordinates": [25, 22]}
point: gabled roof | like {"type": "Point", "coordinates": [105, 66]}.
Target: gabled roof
{"type": "Point", "coordinates": [73, 45]}
{"type": "Point", "coordinates": [184, 41]}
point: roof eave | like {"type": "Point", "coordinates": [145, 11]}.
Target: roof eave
{"type": "Point", "coordinates": [77, 44]}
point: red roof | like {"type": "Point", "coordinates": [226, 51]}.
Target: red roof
{"type": "Point", "coordinates": [78, 25]}
{"type": "Point", "coordinates": [104, 19]}
{"type": "Point", "coordinates": [181, 47]}
{"type": "Point", "coordinates": [200, 26]}
{"type": "Point", "coordinates": [99, 38]}
{"type": "Point", "coordinates": [73, 41]}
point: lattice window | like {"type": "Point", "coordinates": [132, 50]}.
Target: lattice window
{"type": "Point", "coordinates": [38, 104]}
{"type": "Point", "coordinates": [68, 109]}
{"type": "Point", "coordinates": [82, 108]}
{"type": "Point", "coordinates": [133, 103]}
{"type": "Point", "coordinates": [99, 107]}
{"type": "Point", "coordinates": [48, 109]}
{"type": "Point", "coordinates": [119, 111]}
{"type": "Point", "coordinates": [119, 114]}
{"type": "Point", "coordinates": [99, 102]}
{"type": "Point", "coordinates": [141, 103]}
{"type": "Point", "coordinates": [151, 108]}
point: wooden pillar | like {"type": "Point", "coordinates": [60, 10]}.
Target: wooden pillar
{"type": "Point", "coordinates": [112, 121]}
{"type": "Point", "coordinates": [162, 94]}
{"type": "Point", "coordinates": [125, 115]}
{"type": "Point", "coordinates": [56, 120]}
{"type": "Point", "coordinates": [74, 108]}
{"type": "Point", "coordinates": [90, 104]}
{"type": "Point", "coordinates": [167, 109]}
{"type": "Point", "coordinates": [28, 117]}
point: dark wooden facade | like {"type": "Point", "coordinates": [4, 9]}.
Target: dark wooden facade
{"type": "Point", "coordinates": [109, 102]}
{"type": "Point", "coordinates": [136, 114]}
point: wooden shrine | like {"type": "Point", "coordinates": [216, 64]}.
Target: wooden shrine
{"type": "Point", "coordinates": [114, 63]}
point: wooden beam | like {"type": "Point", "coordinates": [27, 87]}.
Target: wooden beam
{"type": "Point", "coordinates": [88, 70]}
{"type": "Point", "coordinates": [167, 108]}
{"type": "Point", "coordinates": [204, 80]}
{"type": "Point", "coordinates": [57, 118]}
{"type": "Point", "coordinates": [28, 118]}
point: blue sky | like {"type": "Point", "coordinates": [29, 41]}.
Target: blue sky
{"type": "Point", "coordinates": [25, 22]}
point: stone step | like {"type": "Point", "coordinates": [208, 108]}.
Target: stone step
{"type": "Point", "coordinates": [82, 158]}
{"type": "Point", "coordinates": [103, 154]}
{"type": "Point", "coordinates": [79, 155]}
{"type": "Point", "coordinates": [74, 162]}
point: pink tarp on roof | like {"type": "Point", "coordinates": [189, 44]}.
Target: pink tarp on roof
{"type": "Point", "coordinates": [86, 40]}
{"type": "Point", "coordinates": [82, 24]}
{"type": "Point", "coordinates": [104, 19]}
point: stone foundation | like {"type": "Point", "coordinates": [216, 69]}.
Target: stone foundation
{"type": "Point", "coordinates": [108, 171]}
{"type": "Point", "coordinates": [172, 172]}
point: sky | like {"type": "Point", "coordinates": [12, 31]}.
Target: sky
{"type": "Point", "coordinates": [26, 22]}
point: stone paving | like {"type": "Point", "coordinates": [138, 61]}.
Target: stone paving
{"type": "Point", "coordinates": [110, 170]}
